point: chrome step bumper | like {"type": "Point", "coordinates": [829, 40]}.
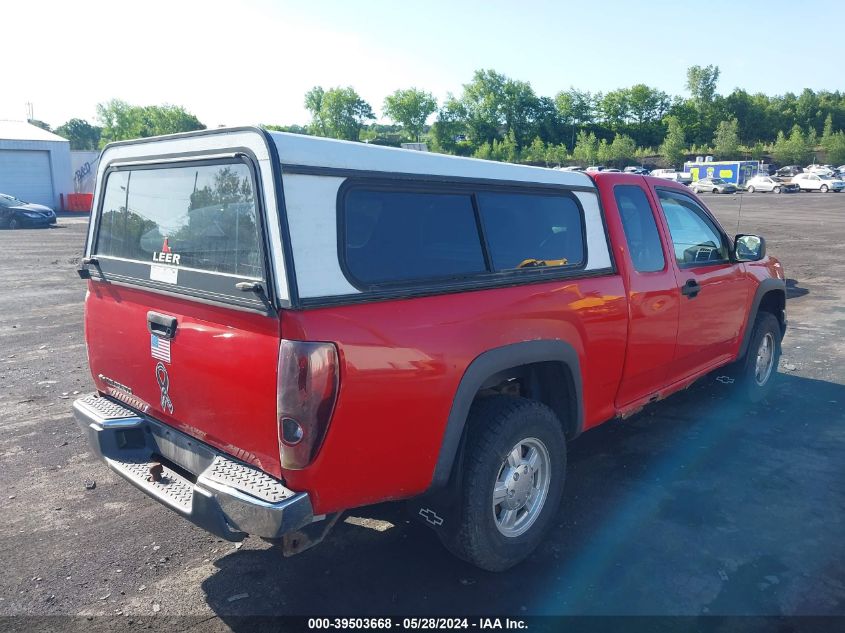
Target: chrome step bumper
{"type": "Point", "coordinates": [226, 497]}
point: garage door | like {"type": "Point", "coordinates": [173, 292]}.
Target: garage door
{"type": "Point", "coordinates": [26, 174]}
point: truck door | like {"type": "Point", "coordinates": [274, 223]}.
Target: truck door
{"type": "Point", "coordinates": [714, 289]}
{"type": "Point", "coordinates": [653, 294]}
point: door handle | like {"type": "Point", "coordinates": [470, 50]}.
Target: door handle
{"type": "Point", "coordinates": [691, 288]}
{"type": "Point", "coordinates": [161, 324]}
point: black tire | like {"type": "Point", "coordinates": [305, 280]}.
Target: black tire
{"type": "Point", "coordinates": [824, 189]}
{"type": "Point", "coordinates": [715, 190]}
{"type": "Point", "coordinates": [751, 189]}
{"type": "Point", "coordinates": [777, 190]}
{"type": "Point", "coordinates": [766, 324]}
{"type": "Point", "coordinates": [496, 425]}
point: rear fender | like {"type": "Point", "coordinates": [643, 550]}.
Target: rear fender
{"type": "Point", "coordinates": [438, 507]}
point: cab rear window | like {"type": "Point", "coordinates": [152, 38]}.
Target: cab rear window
{"type": "Point", "coordinates": [197, 217]}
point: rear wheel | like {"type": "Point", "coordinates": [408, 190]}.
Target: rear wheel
{"type": "Point", "coordinates": [777, 190]}
{"type": "Point", "coordinates": [715, 190]}
{"type": "Point", "coordinates": [823, 189]}
{"type": "Point", "coordinates": [751, 189]}
{"type": "Point", "coordinates": [514, 468]}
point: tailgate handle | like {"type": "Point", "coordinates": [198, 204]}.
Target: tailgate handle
{"type": "Point", "coordinates": [161, 324]}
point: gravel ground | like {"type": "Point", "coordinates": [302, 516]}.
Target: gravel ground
{"type": "Point", "coordinates": [696, 506]}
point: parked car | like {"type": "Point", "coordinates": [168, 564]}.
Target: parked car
{"type": "Point", "coordinates": [818, 182]}
{"type": "Point", "coordinates": [771, 183]}
{"type": "Point", "coordinates": [821, 170]}
{"type": "Point", "coordinates": [572, 168]}
{"type": "Point", "coordinates": [611, 170]}
{"type": "Point", "coordinates": [789, 171]}
{"type": "Point", "coordinates": [683, 177]}
{"type": "Point", "coordinates": [713, 185]}
{"type": "Point", "coordinates": [596, 168]}
{"type": "Point", "coordinates": [295, 362]}
{"type": "Point", "coordinates": [16, 214]}
{"type": "Point", "coordinates": [642, 171]}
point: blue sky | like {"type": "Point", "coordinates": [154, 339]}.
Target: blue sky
{"type": "Point", "coordinates": [252, 61]}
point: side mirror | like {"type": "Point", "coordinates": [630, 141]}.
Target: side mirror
{"type": "Point", "coordinates": [749, 248]}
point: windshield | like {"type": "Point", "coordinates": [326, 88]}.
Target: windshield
{"type": "Point", "coordinates": [717, 181]}
{"type": "Point", "coordinates": [9, 201]}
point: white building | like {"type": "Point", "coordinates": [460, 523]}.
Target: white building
{"type": "Point", "coordinates": [34, 163]}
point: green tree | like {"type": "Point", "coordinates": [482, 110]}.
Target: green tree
{"type": "Point", "coordinates": [793, 149]}
{"type": "Point", "coordinates": [314, 104]}
{"type": "Point", "coordinates": [833, 143]}
{"type": "Point", "coordinates": [781, 152]}
{"type": "Point", "coordinates": [449, 127]}
{"type": "Point", "coordinates": [575, 108]}
{"type": "Point", "coordinates": [674, 144]}
{"type": "Point", "coordinates": [556, 154]}
{"type": "Point", "coordinates": [291, 129]}
{"type": "Point", "coordinates": [337, 112]}
{"type": "Point", "coordinates": [411, 108]}
{"type": "Point", "coordinates": [536, 152]}
{"type": "Point", "coordinates": [827, 132]}
{"type": "Point", "coordinates": [484, 151]}
{"type": "Point", "coordinates": [726, 139]}
{"type": "Point", "coordinates": [603, 156]}
{"type": "Point", "coordinates": [492, 104]}
{"type": "Point", "coordinates": [586, 149]}
{"type": "Point", "coordinates": [646, 104]}
{"type": "Point", "coordinates": [81, 134]}
{"type": "Point", "coordinates": [507, 149]}
{"type": "Point", "coordinates": [701, 83]}
{"type": "Point", "coordinates": [622, 150]}
{"type": "Point", "coordinates": [615, 107]}
{"type": "Point", "coordinates": [121, 120]}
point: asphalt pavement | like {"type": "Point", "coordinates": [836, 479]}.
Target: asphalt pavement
{"type": "Point", "coordinates": [698, 505]}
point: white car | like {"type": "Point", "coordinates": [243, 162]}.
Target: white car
{"type": "Point", "coordinates": [826, 170]}
{"type": "Point", "coordinates": [683, 177]}
{"type": "Point", "coordinates": [818, 182]}
{"type": "Point", "coordinates": [770, 183]}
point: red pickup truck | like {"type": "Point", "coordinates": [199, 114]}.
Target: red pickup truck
{"type": "Point", "coordinates": [282, 327]}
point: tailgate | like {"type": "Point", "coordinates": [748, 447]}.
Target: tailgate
{"type": "Point", "coordinates": [178, 321]}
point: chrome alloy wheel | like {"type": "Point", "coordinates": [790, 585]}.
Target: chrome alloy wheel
{"type": "Point", "coordinates": [765, 359]}
{"type": "Point", "coordinates": [521, 487]}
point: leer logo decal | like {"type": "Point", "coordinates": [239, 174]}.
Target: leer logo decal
{"type": "Point", "coordinates": [163, 381]}
{"type": "Point", "coordinates": [166, 254]}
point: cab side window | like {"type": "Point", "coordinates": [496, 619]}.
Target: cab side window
{"type": "Point", "coordinates": [640, 229]}
{"type": "Point", "coordinates": [696, 239]}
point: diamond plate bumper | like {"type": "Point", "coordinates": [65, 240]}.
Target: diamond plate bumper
{"type": "Point", "coordinates": [216, 492]}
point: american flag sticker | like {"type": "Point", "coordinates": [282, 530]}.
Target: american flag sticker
{"type": "Point", "coordinates": [160, 348]}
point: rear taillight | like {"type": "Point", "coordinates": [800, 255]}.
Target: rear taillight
{"type": "Point", "coordinates": [305, 397]}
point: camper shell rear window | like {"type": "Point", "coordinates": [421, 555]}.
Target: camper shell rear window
{"type": "Point", "coordinates": [193, 227]}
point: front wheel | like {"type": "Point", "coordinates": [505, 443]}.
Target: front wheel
{"type": "Point", "coordinates": [756, 372]}
{"type": "Point", "coordinates": [715, 190]}
{"type": "Point", "coordinates": [514, 468]}
{"type": "Point", "coordinates": [777, 190]}
{"type": "Point", "coordinates": [751, 189]}
{"type": "Point", "coordinates": [823, 189]}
